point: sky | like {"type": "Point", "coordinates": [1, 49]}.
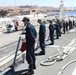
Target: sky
{"type": "Point", "coordinates": [54, 3]}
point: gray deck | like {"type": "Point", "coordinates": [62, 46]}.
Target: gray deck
{"type": "Point", "coordinates": [22, 68]}
{"type": "Point", "coordinates": [64, 40]}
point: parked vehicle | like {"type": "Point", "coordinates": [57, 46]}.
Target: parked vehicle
{"type": "Point", "coordinates": [10, 27]}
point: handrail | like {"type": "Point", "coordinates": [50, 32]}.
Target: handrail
{"type": "Point", "coordinates": [16, 54]}
{"type": "Point", "coordinates": [12, 67]}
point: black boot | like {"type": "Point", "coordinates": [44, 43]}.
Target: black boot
{"type": "Point", "coordinates": [42, 52]}
{"type": "Point", "coordinates": [30, 70]}
{"type": "Point", "coordinates": [34, 66]}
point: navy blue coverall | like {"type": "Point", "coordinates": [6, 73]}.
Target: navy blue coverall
{"type": "Point", "coordinates": [31, 35]}
{"type": "Point", "coordinates": [42, 31]}
{"type": "Point", "coordinates": [51, 33]}
{"type": "Point", "coordinates": [57, 30]}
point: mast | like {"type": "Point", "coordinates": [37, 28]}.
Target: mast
{"type": "Point", "coordinates": [61, 10]}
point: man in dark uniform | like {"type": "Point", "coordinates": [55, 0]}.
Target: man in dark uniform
{"type": "Point", "coordinates": [57, 29]}
{"type": "Point", "coordinates": [30, 43]}
{"type": "Point", "coordinates": [73, 23]}
{"type": "Point", "coordinates": [70, 24]}
{"type": "Point", "coordinates": [51, 32]}
{"type": "Point", "coordinates": [64, 26]}
{"type": "Point", "coordinates": [60, 26]}
{"type": "Point", "coordinates": [67, 25]}
{"type": "Point", "coordinates": [42, 31]}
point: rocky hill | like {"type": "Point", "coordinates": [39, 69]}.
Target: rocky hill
{"type": "Point", "coordinates": [18, 10]}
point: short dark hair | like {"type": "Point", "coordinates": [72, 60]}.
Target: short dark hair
{"type": "Point", "coordinates": [39, 19]}
{"type": "Point", "coordinates": [25, 18]}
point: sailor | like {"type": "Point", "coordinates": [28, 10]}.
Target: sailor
{"type": "Point", "coordinates": [60, 26]}
{"type": "Point", "coordinates": [31, 35]}
{"type": "Point", "coordinates": [67, 25]}
{"type": "Point", "coordinates": [70, 24]}
{"type": "Point", "coordinates": [51, 32]}
{"type": "Point", "coordinates": [64, 26]}
{"type": "Point", "coordinates": [57, 29]}
{"type": "Point", "coordinates": [42, 31]}
{"type": "Point", "coordinates": [73, 23]}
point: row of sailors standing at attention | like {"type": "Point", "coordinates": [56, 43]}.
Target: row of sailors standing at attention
{"type": "Point", "coordinates": [31, 35]}
{"type": "Point", "coordinates": [60, 27]}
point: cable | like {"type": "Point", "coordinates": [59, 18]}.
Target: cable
{"type": "Point", "coordinates": [64, 67]}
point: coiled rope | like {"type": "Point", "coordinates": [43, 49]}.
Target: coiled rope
{"type": "Point", "coordinates": [60, 55]}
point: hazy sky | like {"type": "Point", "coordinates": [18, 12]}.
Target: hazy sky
{"type": "Point", "coordinates": [55, 3]}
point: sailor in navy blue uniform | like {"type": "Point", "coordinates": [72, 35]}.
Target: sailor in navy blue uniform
{"type": "Point", "coordinates": [42, 31]}
{"type": "Point", "coordinates": [57, 29]}
{"type": "Point", "coordinates": [31, 35]}
{"type": "Point", "coordinates": [51, 32]}
{"type": "Point", "coordinates": [64, 26]}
